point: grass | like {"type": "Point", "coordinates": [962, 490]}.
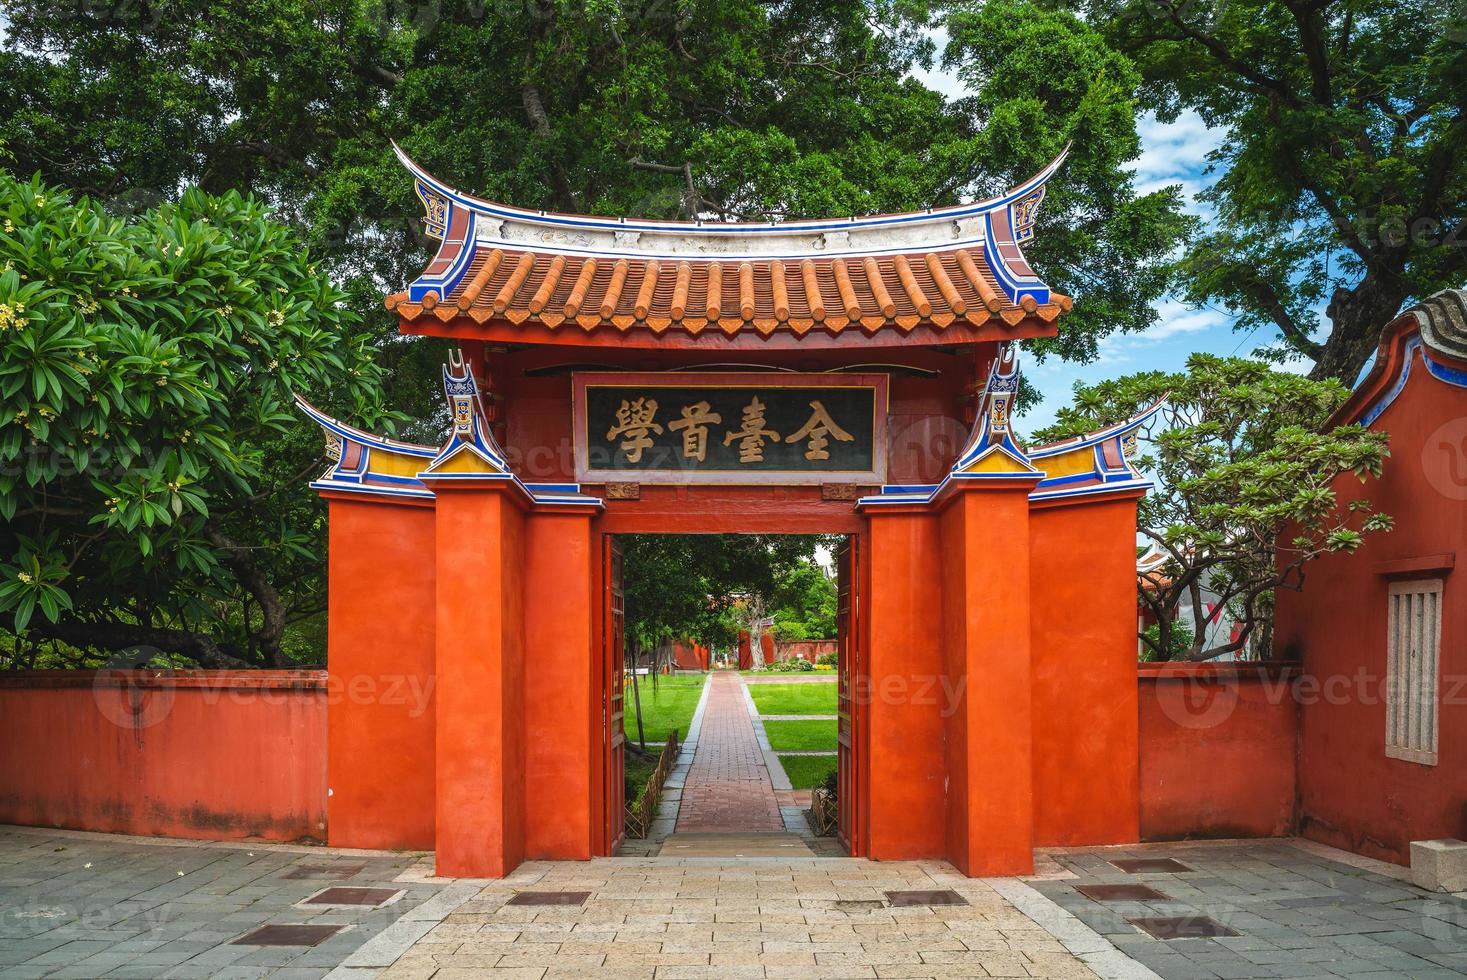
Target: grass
{"type": "Point", "coordinates": [670, 705]}
{"type": "Point", "coordinates": [807, 771]}
{"type": "Point", "coordinates": [801, 736]}
{"type": "Point", "coordinates": [794, 699]}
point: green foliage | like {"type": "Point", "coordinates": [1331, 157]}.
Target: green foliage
{"type": "Point", "coordinates": [804, 602]}
{"type": "Point", "coordinates": [792, 665]}
{"type": "Point", "coordinates": [721, 108]}
{"type": "Point", "coordinates": [700, 586]}
{"type": "Point", "coordinates": [1178, 642]}
{"type": "Point", "coordinates": [149, 452]}
{"type": "Point", "coordinates": [1344, 169]}
{"type": "Point", "coordinates": [1245, 469]}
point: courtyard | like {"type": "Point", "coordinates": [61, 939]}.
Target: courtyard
{"type": "Point", "coordinates": [84, 905]}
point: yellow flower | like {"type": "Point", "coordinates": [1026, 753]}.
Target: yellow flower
{"type": "Point", "coordinates": [9, 226]}
{"type": "Point", "coordinates": [24, 576]}
{"type": "Point", "coordinates": [40, 201]}
{"type": "Point", "coordinates": [275, 318]}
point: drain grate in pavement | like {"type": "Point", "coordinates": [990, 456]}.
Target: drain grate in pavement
{"type": "Point", "coordinates": [1182, 927]}
{"type": "Point", "coordinates": [287, 936]}
{"type": "Point", "coordinates": [313, 871]}
{"type": "Point", "coordinates": [939, 896]}
{"type": "Point", "coordinates": [549, 898]}
{"type": "Point", "coordinates": [1120, 893]}
{"type": "Point", "coordinates": [1143, 866]}
{"type": "Point", "coordinates": [341, 895]}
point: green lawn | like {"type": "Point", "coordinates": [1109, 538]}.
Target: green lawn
{"type": "Point", "coordinates": [810, 698]}
{"type": "Point", "coordinates": [670, 705]}
{"type": "Point", "coordinates": [801, 736]}
{"type": "Point", "coordinates": [807, 771]}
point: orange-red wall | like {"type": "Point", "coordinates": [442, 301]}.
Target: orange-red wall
{"type": "Point", "coordinates": [562, 720]}
{"type": "Point", "coordinates": [200, 754]}
{"type": "Point", "coordinates": [1083, 648]}
{"type": "Point", "coordinates": [1337, 627]}
{"type": "Point", "coordinates": [904, 698]}
{"type": "Point", "coordinates": [1218, 751]}
{"type": "Point", "coordinates": [381, 601]}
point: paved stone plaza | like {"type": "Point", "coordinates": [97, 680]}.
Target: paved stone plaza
{"type": "Point", "coordinates": [89, 905]}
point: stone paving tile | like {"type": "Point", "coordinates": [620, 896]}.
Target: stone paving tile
{"type": "Point", "coordinates": [693, 917]}
{"type": "Point", "coordinates": [1300, 914]}
{"type": "Point", "coordinates": [89, 905]}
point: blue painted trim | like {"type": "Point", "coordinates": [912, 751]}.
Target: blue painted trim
{"type": "Point", "coordinates": [1413, 346]}
{"type": "Point", "coordinates": [445, 284]}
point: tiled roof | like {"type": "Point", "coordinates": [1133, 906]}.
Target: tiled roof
{"type": "Point", "coordinates": [954, 269]}
{"type": "Point", "coordinates": [955, 289]}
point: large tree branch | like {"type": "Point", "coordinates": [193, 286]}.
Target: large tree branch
{"type": "Point", "coordinates": [200, 647]}
{"type": "Point", "coordinates": [1227, 59]}
{"type": "Point", "coordinates": [259, 587]}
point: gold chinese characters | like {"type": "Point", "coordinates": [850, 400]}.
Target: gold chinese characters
{"type": "Point", "coordinates": [636, 423]}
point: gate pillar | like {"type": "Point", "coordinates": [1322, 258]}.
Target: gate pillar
{"type": "Point", "coordinates": [986, 632]}
{"type": "Point", "coordinates": [479, 648]}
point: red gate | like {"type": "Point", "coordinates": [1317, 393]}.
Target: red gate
{"type": "Point", "coordinates": [848, 647]}
{"type": "Point", "coordinates": [613, 642]}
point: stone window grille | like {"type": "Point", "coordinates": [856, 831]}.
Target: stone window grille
{"type": "Point", "coordinates": [1413, 662]}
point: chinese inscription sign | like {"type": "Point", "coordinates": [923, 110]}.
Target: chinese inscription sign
{"type": "Point", "coordinates": [731, 428]}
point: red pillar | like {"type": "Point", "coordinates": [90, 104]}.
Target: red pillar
{"type": "Point", "coordinates": [379, 637]}
{"type": "Point", "coordinates": [562, 702]}
{"type": "Point", "coordinates": [986, 623]}
{"type": "Point", "coordinates": [479, 644]}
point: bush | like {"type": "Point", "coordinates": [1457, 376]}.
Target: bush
{"type": "Point", "coordinates": [828, 660]}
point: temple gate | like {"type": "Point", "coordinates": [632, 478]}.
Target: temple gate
{"type": "Point", "coordinates": [851, 376]}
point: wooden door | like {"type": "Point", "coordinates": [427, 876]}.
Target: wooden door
{"type": "Point", "coordinates": [613, 641]}
{"type": "Point", "coordinates": [848, 647]}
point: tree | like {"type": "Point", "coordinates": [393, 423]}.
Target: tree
{"type": "Point", "coordinates": [720, 109]}
{"type": "Point", "coordinates": [151, 460]}
{"type": "Point", "coordinates": [1245, 470]}
{"type": "Point", "coordinates": [805, 603]}
{"type": "Point", "coordinates": [695, 586]}
{"type": "Point", "coordinates": [1343, 174]}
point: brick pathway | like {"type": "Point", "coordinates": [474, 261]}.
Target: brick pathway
{"type": "Point", "coordinates": [728, 787]}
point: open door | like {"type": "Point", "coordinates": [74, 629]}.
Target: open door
{"type": "Point", "coordinates": [613, 641]}
{"type": "Point", "coordinates": [848, 648]}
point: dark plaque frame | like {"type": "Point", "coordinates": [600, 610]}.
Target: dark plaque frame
{"type": "Point", "coordinates": [650, 382]}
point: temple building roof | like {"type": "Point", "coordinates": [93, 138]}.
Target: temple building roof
{"type": "Point", "coordinates": [959, 271]}
{"type": "Point", "coordinates": [1432, 333]}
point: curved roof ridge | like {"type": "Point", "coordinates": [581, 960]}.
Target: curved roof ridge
{"type": "Point", "coordinates": [1442, 318]}
{"type": "Point", "coordinates": [561, 220]}
{"type": "Point", "coordinates": [1099, 435]}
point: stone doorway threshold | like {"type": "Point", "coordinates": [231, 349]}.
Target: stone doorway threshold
{"type": "Point", "coordinates": [766, 845]}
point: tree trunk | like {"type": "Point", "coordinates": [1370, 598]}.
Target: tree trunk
{"type": "Point", "coordinates": [1357, 317]}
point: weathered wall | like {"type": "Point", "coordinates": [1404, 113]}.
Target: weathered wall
{"type": "Point", "coordinates": [199, 754]}
{"type": "Point", "coordinates": [1218, 753]}
{"type": "Point", "coordinates": [1336, 626]}
{"type": "Point", "coordinates": [381, 603]}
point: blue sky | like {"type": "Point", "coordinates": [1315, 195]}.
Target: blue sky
{"type": "Point", "coordinates": [1174, 153]}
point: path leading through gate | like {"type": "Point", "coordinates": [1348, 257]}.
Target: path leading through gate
{"type": "Point", "coordinates": [728, 789]}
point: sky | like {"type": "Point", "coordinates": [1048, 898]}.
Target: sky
{"type": "Point", "coordinates": [1174, 153]}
